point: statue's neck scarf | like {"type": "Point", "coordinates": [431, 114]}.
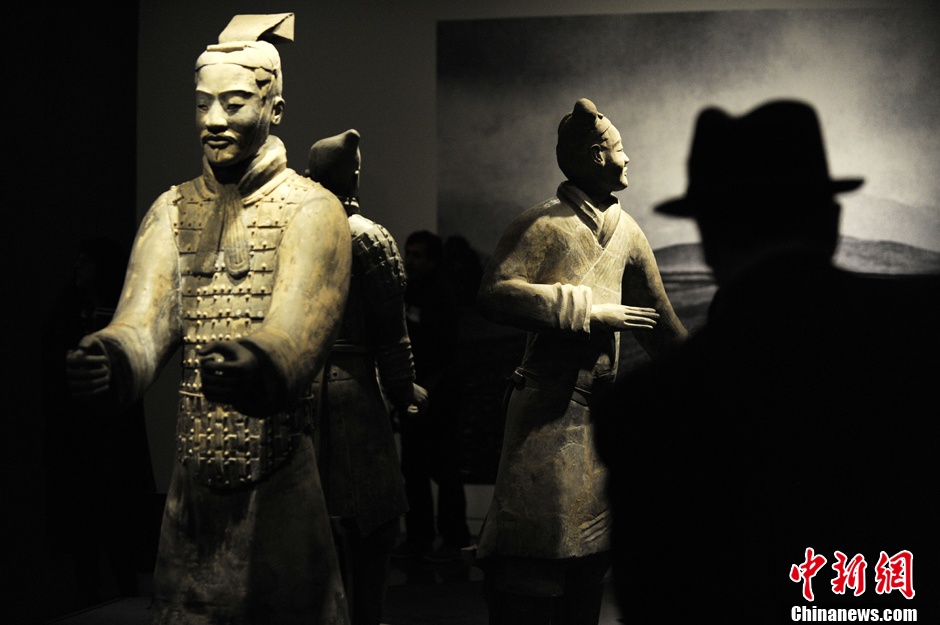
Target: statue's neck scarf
{"type": "Point", "coordinates": [225, 229]}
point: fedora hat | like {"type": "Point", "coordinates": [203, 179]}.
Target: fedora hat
{"type": "Point", "coordinates": [774, 150]}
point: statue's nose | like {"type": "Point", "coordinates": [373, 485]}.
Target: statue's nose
{"type": "Point", "coordinates": [215, 117]}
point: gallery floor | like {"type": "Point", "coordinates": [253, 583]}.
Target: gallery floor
{"type": "Point", "coordinates": [419, 593]}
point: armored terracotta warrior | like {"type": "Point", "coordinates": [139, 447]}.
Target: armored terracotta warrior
{"type": "Point", "coordinates": [574, 271]}
{"type": "Point", "coordinates": [359, 465]}
{"type": "Point", "coordinates": [247, 268]}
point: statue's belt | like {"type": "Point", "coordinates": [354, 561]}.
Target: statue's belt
{"type": "Point", "coordinates": [341, 347]}
{"type": "Point", "coordinates": [526, 379]}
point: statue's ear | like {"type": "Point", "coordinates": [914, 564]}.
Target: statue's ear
{"type": "Point", "coordinates": [597, 154]}
{"type": "Point", "coordinates": [277, 111]}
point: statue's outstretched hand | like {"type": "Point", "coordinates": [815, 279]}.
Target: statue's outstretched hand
{"type": "Point", "coordinates": [88, 370]}
{"type": "Point", "coordinates": [618, 317]}
{"type": "Point", "coordinates": [230, 374]}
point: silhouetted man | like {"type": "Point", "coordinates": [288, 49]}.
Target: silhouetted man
{"type": "Point", "coordinates": [799, 418]}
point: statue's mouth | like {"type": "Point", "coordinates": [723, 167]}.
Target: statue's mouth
{"type": "Point", "coordinates": [218, 142]}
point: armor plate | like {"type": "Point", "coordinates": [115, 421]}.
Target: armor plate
{"type": "Point", "coordinates": [225, 448]}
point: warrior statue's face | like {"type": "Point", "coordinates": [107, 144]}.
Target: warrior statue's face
{"type": "Point", "coordinates": [612, 162]}
{"type": "Point", "coordinates": [233, 115]}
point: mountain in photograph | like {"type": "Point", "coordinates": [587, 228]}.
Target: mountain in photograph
{"type": "Point", "coordinates": [685, 260]}
{"type": "Point", "coordinates": [885, 257]}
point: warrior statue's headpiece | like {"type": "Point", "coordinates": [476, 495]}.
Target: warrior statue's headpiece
{"type": "Point", "coordinates": [584, 124]}
{"type": "Point", "coordinates": [247, 41]}
{"type": "Point", "coordinates": [583, 127]}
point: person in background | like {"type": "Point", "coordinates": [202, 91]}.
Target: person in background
{"type": "Point", "coordinates": [462, 264]}
{"type": "Point", "coordinates": [430, 443]}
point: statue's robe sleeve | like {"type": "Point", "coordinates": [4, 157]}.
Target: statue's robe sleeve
{"type": "Point", "coordinates": [528, 281]}
{"type": "Point", "coordinates": [383, 279]}
{"type": "Point", "coordinates": [534, 279]}
{"type": "Point", "coordinates": [145, 329]}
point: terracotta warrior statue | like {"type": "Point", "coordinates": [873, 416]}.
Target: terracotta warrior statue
{"type": "Point", "coordinates": [574, 271]}
{"type": "Point", "coordinates": [246, 267]}
{"type": "Point", "coordinates": [359, 467]}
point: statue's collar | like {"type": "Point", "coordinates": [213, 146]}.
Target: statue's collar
{"type": "Point", "coordinates": [593, 217]}
{"type": "Point", "coordinates": [263, 169]}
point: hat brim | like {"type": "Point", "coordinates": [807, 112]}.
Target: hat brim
{"type": "Point", "coordinates": [685, 206]}
{"type": "Point", "coordinates": [676, 207]}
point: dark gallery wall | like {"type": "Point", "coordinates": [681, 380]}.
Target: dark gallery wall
{"type": "Point", "coordinates": [70, 124]}
{"type": "Point", "coordinates": [82, 126]}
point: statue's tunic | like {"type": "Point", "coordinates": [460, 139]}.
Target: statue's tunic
{"type": "Point", "coordinates": [245, 535]}
{"type": "Point", "coordinates": [553, 263]}
{"type": "Point", "coordinates": [359, 462]}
